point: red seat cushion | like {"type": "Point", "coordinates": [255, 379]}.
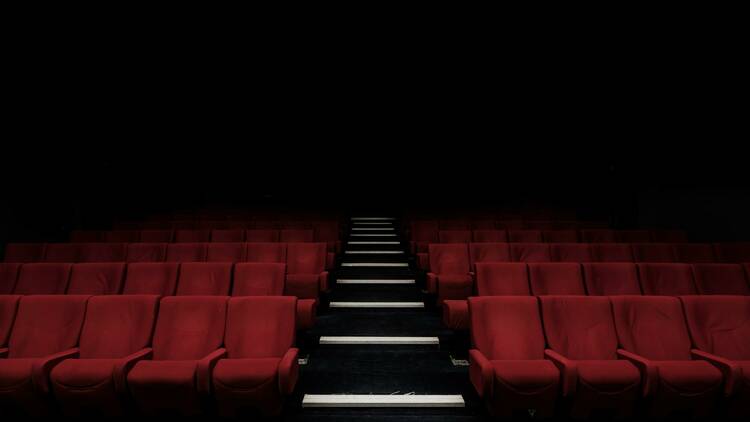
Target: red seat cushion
{"type": "Point", "coordinates": [15, 372]}
{"type": "Point", "coordinates": [247, 374]}
{"type": "Point", "coordinates": [689, 376]}
{"type": "Point", "coordinates": [526, 376]}
{"type": "Point", "coordinates": [84, 373]}
{"type": "Point", "coordinates": [608, 376]}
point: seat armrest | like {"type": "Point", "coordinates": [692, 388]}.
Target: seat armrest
{"type": "Point", "coordinates": [649, 372]}
{"type": "Point", "coordinates": [481, 373]}
{"type": "Point", "coordinates": [41, 368]}
{"type": "Point", "coordinates": [423, 261]}
{"type": "Point", "coordinates": [324, 281]}
{"type": "Point", "coordinates": [3, 352]}
{"type": "Point", "coordinates": [432, 283]}
{"type": "Point", "coordinates": [122, 369]}
{"type": "Point", "coordinates": [288, 371]}
{"type": "Point", "coordinates": [731, 371]}
{"type": "Point", "coordinates": [206, 368]}
{"type": "Point", "coordinates": [568, 371]}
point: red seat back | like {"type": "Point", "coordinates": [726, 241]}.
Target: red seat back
{"type": "Point", "coordinates": [96, 278]}
{"type": "Point", "coordinates": [151, 278]}
{"type": "Point", "coordinates": [117, 326]}
{"type": "Point", "coordinates": [449, 258]}
{"type": "Point", "coordinates": [36, 333]}
{"type": "Point", "coordinates": [666, 279]}
{"type": "Point", "coordinates": [507, 327]}
{"type": "Point", "coordinates": [502, 279]}
{"type": "Point", "coordinates": [43, 279]}
{"type": "Point", "coordinates": [556, 279]}
{"type": "Point", "coordinates": [259, 279]}
{"type": "Point", "coordinates": [189, 327]}
{"type": "Point", "coordinates": [260, 327]}
{"type": "Point", "coordinates": [611, 279]}
{"type": "Point", "coordinates": [580, 327]}
{"type": "Point", "coordinates": [204, 279]}
{"type": "Point", "coordinates": [720, 324]}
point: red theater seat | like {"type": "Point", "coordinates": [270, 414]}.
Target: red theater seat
{"type": "Point", "coordinates": [329, 232]}
{"type": "Point", "coordinates": [719, 327]}
{"type": "Point", "coordinates": [489, 236]}
{"type": "Point", "coordinates": [151, 278]}
{"type": "Point", "coordinates": [96, 279]}
{"type": "Point", "coordinates": [633, 236]}
{"type": "Point", "coordinates": [116, 333]}
{"type": "Point", "coordinates": [186, 252]}
{"type": "Point", "coordinates": [305, 267]}
{"type": "Point", "coordinates": [669, 236]}
{"type": "Point", "coordinates": [43, 279]}
{"type": "Point", "coordinates": [560, 236]}
{"type": "Point", "coordinates": [261, 235]}
{"type": "Point", "coordinates": [611, 279]}
{"type": "Point", "coordinates": [85, 236]}
{"type": "Point", "coordinates": [122, 236]}
{"type": "Point", "coordinates": [530, 252]}
{"type": "Point", "coordinates": [454, 236]}
{"type": "Point", "coordinates": [192, 236]}
{"type": "Point", "coordinates": [8, 277]}
{"type": "Point", "coordinates": [653, 252]}
{"type": "Point", "coordinates": [582, 343]}
{"type": "Point", "coordinates": [24, 252]}
{"type": "Point", "coordinates": [556, 279]}
{"type": "Point", "coordinates": [694, 252]}
{"type": "Point", "coordinates": [204, 279]}
{"type": "Point", "coordinates": [103, 252]}
{"type": "Point", "coordinates": [266, 252]}
{"type": "Point", "coordinates": [507, 365]}
{"type": "Point", "coordinates": [422, 234]}
{"type": "Point", "coordinates": [488, 252]}
{"type": "Point", "coordinates": [733, 252]}
{"type": "Point", "coordinates": [720, 279]}
{"type": "Point", "coordinates": [449, 276]}
{"type": "Point", "coordinates": [571, 252]}
{"type": "Point", "coordinates": [62, 252]}
{"type": "Point", "coordinates": [612, 252]}
{"type": "Point", "coordinates": [598, 236]}
{"type": "Point", "coordinates": [146, 252]}
{"type": "Point", "coordinates": [156, 236]}
{"type": "Point", "coordinates": [261, 365]}
{"type": "Point", "coordinates": [654, 337]}
{"type": "Point", "coordinates": [666, 279]}
{"type": "Point", "coordinates": [45, 333]}
{"type": "Point", "coordinates": [296, 235]}
{"type": "Point", "coordinates": [8, 308]}
{"type": "Point", "coordinates": [225, 252]}
{"type": "Point", "coordinates": [187, 344]}
{"type": "Point", "coordinates": [228, 235]}
{"type": "Point", "coordinates": [524, 236]}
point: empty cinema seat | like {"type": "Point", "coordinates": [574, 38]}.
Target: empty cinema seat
{"type": "Point", "coordinates": [612, 252]}
{"type": "Point", "coordinates": [719, 327]}
{"type": "Point", "coordinates": [225, 252]}
{"type": "Point", "coordinates": [694, 253]}
{"type": "Point", "coordinates": [192, 236]}
{"type": "Point", "coordinates": [560, 236]}
{"type": "Point", "coordinates": [266, 252]}
{"type": "Point", "coordinates": [633, 236]}
{"type": "Point", "coordinates": [525, 236]}
{"type": "Point", "coordinates": [151, 278]}
{"type": "Point", "coordinates": [507, 364]}
{"type": "Point", "coordinates": [37, 343]}
{"type": "Point", "coordinates": [422, 233]}
{"type": "Point", "coordinates": [187, 344]}
{"type": "Point", "coordinates": [116, 334]}
{"type": "Point", "coordinates": [653, 252]}
{"type": "Point", "coordinates": [296, 235]}
{"type": "Point", "coordinates": [654, 337]}
{"type": "Point", "coordinates": [449, 276]}
{"type": "Point", "coordinates": [98, 278]}
{"type": "Point", "coordinates": [305, 267]}
{"type": "Point", "coordinates": [122, 236]}
{"type": "Point", "coordinates": [204, 279]}
{"type": "Point", "coordinates": [733, 252]}
{"type": "Point", "coordinates": [611, 279]}
{"type": "Point", "coordinates": [102, 252]}
{"type": "Point", "coordinates": [488, 252]}
{"type": "Point", "coordinates": [229, 235]}
{"type": "Point", "coordinates": [62, 252]}
{"type": "Point", "coordinates": [454, 236]}
{"type": "Point", "coordinates": [267, 279]}
{"type": "Point", "coordinates": [582, 343]}
{"type": "Point", "coordinates": [570, 252]}
{"type": "Point", "coordinates": [261, 235]}
{"type": "Point", "coordinates": [556, 279]}
{"type": "Point", "coordinates": [8, 308]}
{"type": "Point", "coordinates": [720, 279]}
{"type": "Point", "coordinates": [156, 236]}
{"type": "Point", "coordinates": [260, 367]}
{"type": "Point", "coordinates": [24, 252]}
{"type": "Point", "coordinates": [146, 252]}
{"type": "Point", "coordinates": [8, 277]}
{"type": "Point", "coordinates": [598, 236]}
{"type": "Point", "coordinates": [489, 236]}
{"type": "Point", "coordinates": [666, 279]}
{"type": "Point", "coordinates": [186, 252]}
{"type": "Point", "coordinates": [530, 252]}
{"type": "Point", "coordinates": [43, 279]}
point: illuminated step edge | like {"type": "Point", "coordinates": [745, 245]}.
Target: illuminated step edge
{"type": "Point", "coordinates": [378, 340]}
{"type": "Point", "coordinates": [383, 400]}
{"type": "Point", "coordinates": [376, 305]}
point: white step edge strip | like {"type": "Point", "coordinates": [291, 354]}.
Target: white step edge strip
{"type": "Point", "coordinates": [373, 218]}
{"type": "Point", "coordinates": [373, 223]}
{"type": "Point", "coordinates": [374, 264]}
{"type": "Point", "coordinates": [395, 305]}
{"type": "Point", "coordinates": [374, 234]}
{"type": "Point", "coordinates": [383, 400]}
{"type": "Point", "coordinates": [374, 243]}
{"type": "Point", "coordinates": [377, 340]}
{"type": "Point", "coordinates": [375, 252]}
{"type": "Point", "coordinates": [374, 281]}
{"type": "Point", "coordinates": [373, 228]}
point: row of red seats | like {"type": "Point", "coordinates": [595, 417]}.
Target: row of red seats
{"type": "Point", "coordinates": [317, 225]}
{"type": "Point", "coordinates": [89, 353]}
{"type": "Point", "coordinates": [194, 236]}
{"type": "Point", "coordinates": [421, 240]}
{"type": "Point", "coordinates": [300, 257]}
{"type": "Point", "coordinates": [461, 257]}
{"type": "Point", "coordinates": [504, 223]}
{"type": "Point", "coordinates": [593, 279]}
{"type": "Point", "coordinates": [164, 279]}
{"type": "Point", "coordinates": [659, 355]}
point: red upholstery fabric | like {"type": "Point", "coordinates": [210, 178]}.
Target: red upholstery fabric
{"type": "Point", "coordinates": [530, 252]}
{"type": "Point", "coordinates": [122, 236]}
{"type": "Point", "coordinates": [489, 236]}
{"type": "Point", "coordinates": [556, 279]}
{"type": "Point", "coordinates": [653, 252]}
{"type": "Point", "coordinates": [84, 236]}
{"type": "Point", "coordinates": [261, 235]}
{"type": "Point", "coordinates": [305, 258]}
{"type": "Point", "coordinates": [611, 279]}
{"type": "Point", "coordinates": [612, 252]}
{"type": "Point", "coordinates": [8, 307]}
{"type": "Point", "coordinates": [8, 277]}
{"type": "Point", "coordinates": [192, 236]}
{"type": "Point", "coordinates": [188, 329]}
{"type": "Point", "coordinates": [582, 331]}
{"type": "Point", "coordinates": [43, 279]}
{"type": "Point", "coordinates": [666, 279]}
{"type": "Point", "coordinates": [669, 236]}
{"type": "Point", "coordinates": [422, 234]}
{"type": "Point", "coordinates": [560, 236]}
{"type": "Point", "coordinates": [296, 235]}
{"type": "Point", "coordinates": [234, 235]}
{"type": "Point", "coordinates": [62, 252]}
{"type": "Point", "coordinates": [103, 252]}
{"type": "Point", "coordinates": [96, 279]}
{"type": "Point", "coordinates": [571, 252]}
{"type": "Point", "coordinates": [259, 279]}
{"type": "Point", "coordinates": [186, 252]}
{"type": "Point", "coordinates": [115, 327]}
{"type": "Point", "coordinates": [454, 236]}
{"type": "Point", "coordinates": [151, 278]}
{"type": "Point", "coordinates": [598, 236]}
{"type": "Point", "coordinates": [24, 252]}
{"type": "Point", "coordinates": [508, 367]}
{"type": "Point", "coordinates": [146, 252]}
{"type": "Point", "coordinates": [720, 279]}
{"type": "Point", "coordinates": [488, 252]}
{"type": "Point", "coordinates": [733, 252]}
{"type": "Point", "coordinates": [633, 236]}
{"type": "Point", "coordinates": [694, 252]}
{"type": "Point", "coordinates": [456, 314]}
{"type": "Point", "coordinates": [156, 236]}
{"type": "Point", "coordinates": [266, 252]}
{"type": "Point", "coordinates": [502, 279]}
{"type": "Point", "coordinates": [524, 236]}
{"type": "Point", "coordinates": [204, 279]}
{"type": "Point", "coordinates": [225, 252]}
{"type": "Point", "coordinates": [720, 325]}
{"type": "Point", "coordinates": [449, 258]}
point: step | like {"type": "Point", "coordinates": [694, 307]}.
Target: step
{"type": "Point", "coordinates": [375, 252]}
{"type": "Point", "coordinates": [373, 228]}
{"type": "Point", "coordinates": [374, 281]}
{"type": "Point", "coordinates": [374, 234]}
{"type": "Point", "coordinates": [373, 223]}
{"type": "Point", "coordinates": [374, 242]}
{"type": "Point", "coordinates": [373, 218]}
{"type": "Point", "coordinates": [379, 340]}
{"type": "Point", "coordinates": [375, 264]}
{"type": "Point", "coordinates": [397, 305]}
{"type": "Point", "coordinates": [382, 400]}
